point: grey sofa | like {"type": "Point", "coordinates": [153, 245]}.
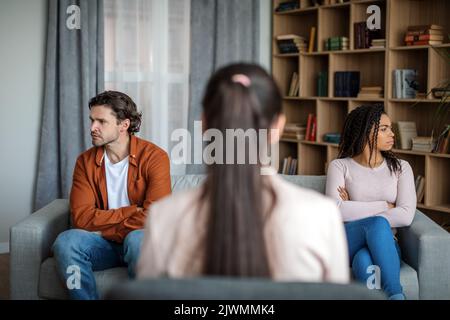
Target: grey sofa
{"type": "Point", "coordinates": [425, 269]}
{"type": "Point", "coordinates": [237, 289]}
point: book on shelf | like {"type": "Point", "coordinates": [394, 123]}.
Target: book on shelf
{"type": "Point", "coordinates": [294, 131]}
{"type": "Point", "coordinates": [310, 127]}
{"type": "Point", "coordinates": [332, 138]}
{"type": "Point", "coordinates": [289, 166]}
{"type": "Point", "coordinates": [322, 84]}
{"type": "Point", "coordinates": [420, 187]}
{"type": "Point", "coordinates": [312, 39]}
{"type": "Point", "coordinates": [370, 92]}
{"type": "Point", "coordinates": [442, 143]}
{"type": "Point", "coordinates": [439, 93]}
{"type": "Point", "coordinates": [287, 6]}
{"type": "Point", "coordinates": [291, 43]}
{"type": "Point", "coordinates": [405, 84]}
{"type": "Point", "coordinates": [336, 43]}
{"type": "Point", "coordinates": [378, 44]}
{"type": "Point", "coordinates": [424, 35]}
{"type": "Point", "coordinates": [346, 83]}
{"type": "Point", "coordinates": [363, 37]}
{"type": "Point", "coordinates": [294, 85]}
{"type": "Point", "coordinates": [406, 131]}
{"type": "Point", "coordinates": [423, 144]}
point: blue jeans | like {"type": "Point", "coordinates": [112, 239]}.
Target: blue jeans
{"type": "Point", "coordinates": [371, 243]}
{"type": "Point", "coordinates": [79, 253]}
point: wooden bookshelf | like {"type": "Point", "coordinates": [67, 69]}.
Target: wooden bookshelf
{"type": "Point", "coordinates": [376, 67]}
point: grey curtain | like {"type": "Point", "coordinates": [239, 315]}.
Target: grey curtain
{"type": "Point", "coordinates": [222, 32]}
{"type": "Point", "coordinates": [74, 73]}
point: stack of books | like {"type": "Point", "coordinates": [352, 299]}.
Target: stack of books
{"type": "Point", "coordinates": [291, 43]}
{"type": "Point", "coordinates": [294, 131]}
{"type": "Point", "coordinates": [346, 83]}
{"type": "Point", "coordinates": [420, 187]}
{"type": "Point", "coordinates": [322, 84]}
{"type": "Point", "coordinates": [311, 128]}
{"type": "Point", "coordinates": [423, 144]}
{"type": "Point", "coordinates": [364, 37]}
{"type": "Point", "coordinates": [378, 44]}
{"type": "Point", "coordinates": [370, 92]}
{"type": "Point", "coordinates": [287, 6]}
{"type": "Point", "coordinates": [405, 85]}
{"type": "Point", "coordinates": [405, 132]}
{"type": "Point", "coordinates": [336, 43]}
{"type": "Point", "coordinates": [439, 93]}
{"type": "Point", "coordinates": [289, 166]}
{"type": "Point", "coordinates": [424, 35]}
{"type": "Point", "coordinates": [294, 87]}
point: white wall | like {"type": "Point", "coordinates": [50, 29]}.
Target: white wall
{"type": "Point", "coordinates": [23, 25]}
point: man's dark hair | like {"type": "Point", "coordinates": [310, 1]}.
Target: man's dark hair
{"type": "Point", "coordinates": [122, 106]}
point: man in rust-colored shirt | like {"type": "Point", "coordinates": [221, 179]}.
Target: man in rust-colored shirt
{"type": "Point", "coordinates": [114, 184]}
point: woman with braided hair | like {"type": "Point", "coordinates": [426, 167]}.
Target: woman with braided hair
{"type": "Point", "coordinates": [375, 192]}
{"type": "Point", "coordinates": [240, 223]}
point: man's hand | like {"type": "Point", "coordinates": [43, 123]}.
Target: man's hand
{"type": "Point", "coordinates": [343, 193]}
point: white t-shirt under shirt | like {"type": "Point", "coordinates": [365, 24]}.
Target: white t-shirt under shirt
{"type": "Point", "coordinates": [116, 183]}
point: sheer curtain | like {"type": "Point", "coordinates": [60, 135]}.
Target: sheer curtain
{"type": "Point", "coordinates": [147, 48]}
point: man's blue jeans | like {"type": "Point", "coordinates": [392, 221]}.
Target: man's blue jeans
{"type": "Point", "coordinates": [371, 243]}
{"type": "Point", "coordinates": [79, 253]}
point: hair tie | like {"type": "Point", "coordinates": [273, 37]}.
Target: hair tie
{"type": "Point", "coordinates": [242, 79]}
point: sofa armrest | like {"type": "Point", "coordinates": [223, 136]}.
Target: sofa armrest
{"type": "Point", "coordinates": [426, 247]}
{"type": "Point", "coordinates": [30, 244]}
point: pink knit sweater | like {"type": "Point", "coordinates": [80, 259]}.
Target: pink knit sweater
{"type": "Point", "coordinates": [370, 190]}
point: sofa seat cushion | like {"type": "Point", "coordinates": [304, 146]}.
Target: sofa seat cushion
{"type": "Point", "coordinates": [51, 286]}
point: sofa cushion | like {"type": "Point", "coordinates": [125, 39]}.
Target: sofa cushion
{"type": "Point", "coordinates": [51, 286]}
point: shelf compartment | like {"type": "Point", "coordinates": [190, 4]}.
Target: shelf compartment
{"type": "Point", "coordinates": [331, 23]}
{"type": "Point", "coordinates": [312, 151]}
{"type": "Point", "coordinates": [439, 67]}
{"type": "Point", "coordinates": [283, 74]}
{"type": "Point", "coordinates": [330, 117]}
{"type": "Point", "coordinates": [310, 66]}
{"type": "Point", "coordinates": [297, 111]}
{"type": "Point", "coordinates": [422, 114]}
{"type": "Point", "coordinates": [293, 24]}
{"type": "Point", "coordinates": [286, 149]}
{"type": "Point", "coordinates": [437, 186]}
{"type": "Point", "coordinates": [367, 63]}
{"type": "Point", "coordinates": [405, 13]}
{"type": "Point", "coordinates": [408, 59]}
{"type": "Point", "coordinates": [358, 14]}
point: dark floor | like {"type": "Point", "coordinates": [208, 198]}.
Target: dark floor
{"type": "Point", "coordinates": [4, 276]}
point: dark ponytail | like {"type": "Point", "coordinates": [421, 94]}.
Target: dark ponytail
{"type": "Point", "coordinates": [235, 243]}
{"type": "Point", "coordinates": [356, 135]}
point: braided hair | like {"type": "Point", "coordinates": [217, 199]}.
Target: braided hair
{"type": "Point", "coordinates": [356, 135]}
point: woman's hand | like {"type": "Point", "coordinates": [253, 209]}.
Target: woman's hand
{"type": "Point", "coordinates": [343, 194]}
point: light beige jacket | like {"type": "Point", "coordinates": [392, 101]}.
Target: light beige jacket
{"type": "Point", "coordinates": [305, 237]}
